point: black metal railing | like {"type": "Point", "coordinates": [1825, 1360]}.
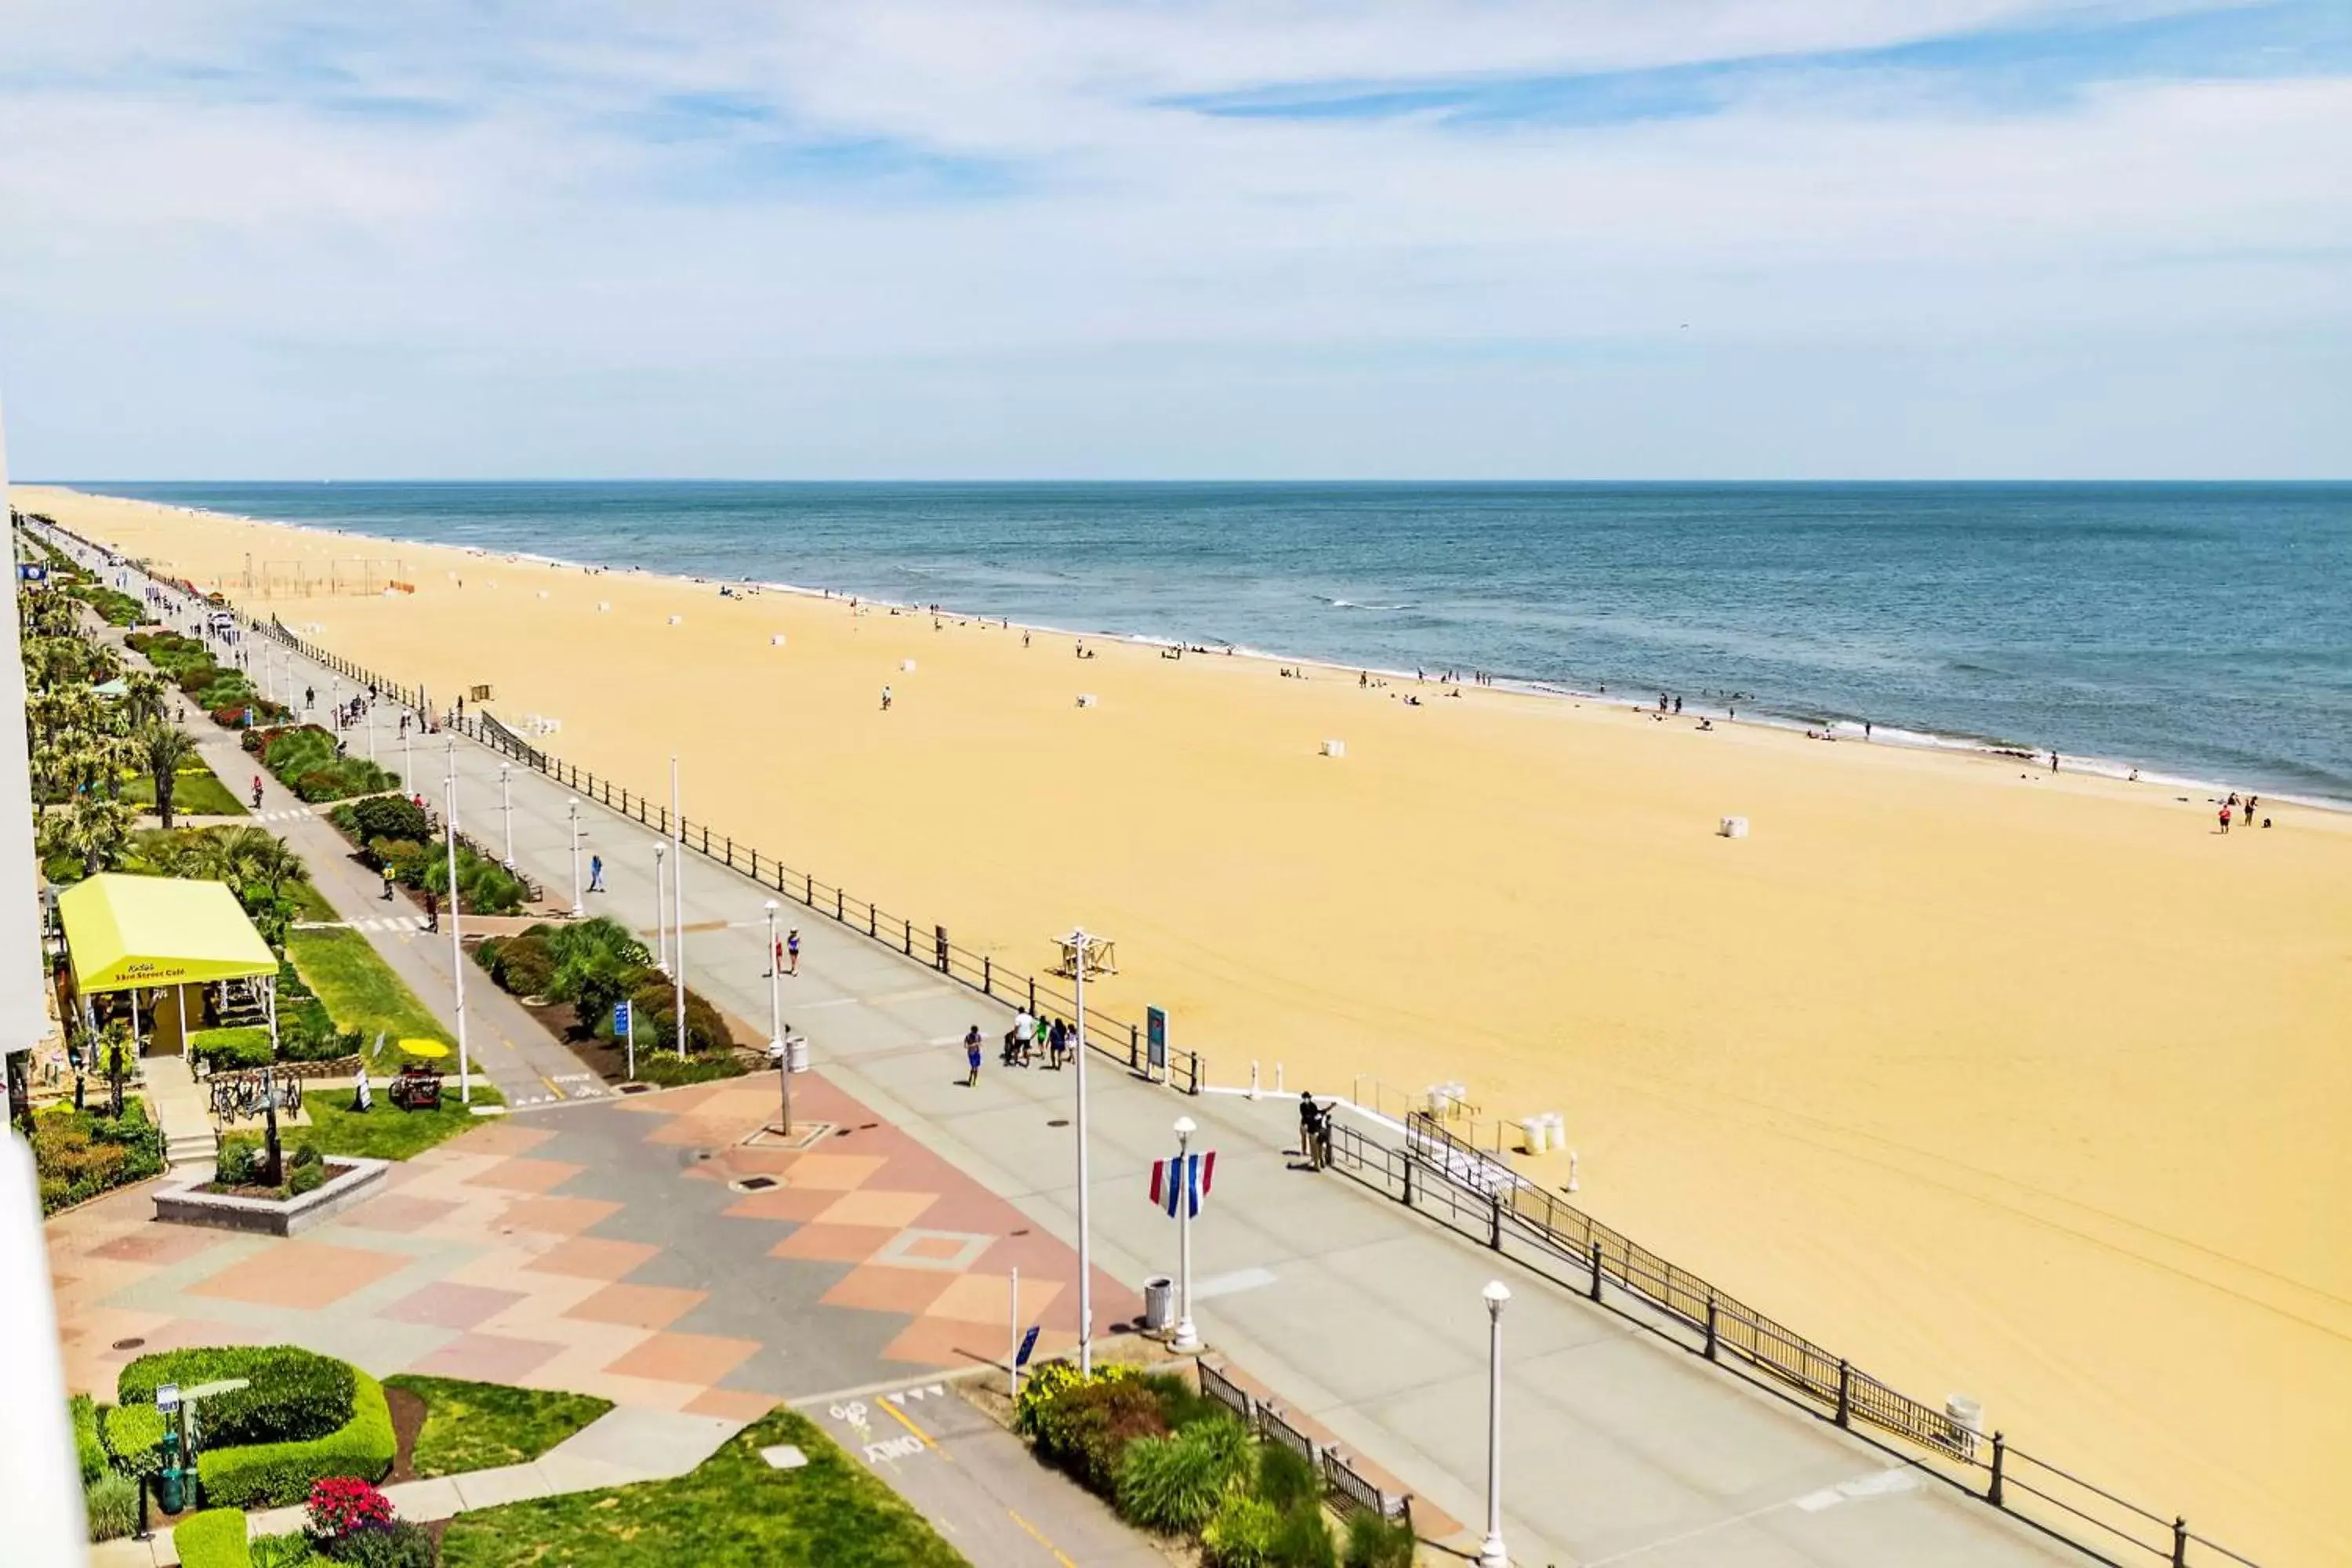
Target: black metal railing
{"type": "Point", "coordinates": [1121, 1041]}
{"type": "Point", "coordinates": [1475, 1192]}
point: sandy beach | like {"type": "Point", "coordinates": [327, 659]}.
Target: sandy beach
{"type": "Point", "coordinates": [2030, 1088]}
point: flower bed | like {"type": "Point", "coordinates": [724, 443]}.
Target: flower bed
{"type": "Point", "coordinates": [81, 1153]}
{"type": "Point", "coordinates": [194, 1200]}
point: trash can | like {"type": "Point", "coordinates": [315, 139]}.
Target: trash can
{"type": "Point", "coordinates": [1159, 1303]}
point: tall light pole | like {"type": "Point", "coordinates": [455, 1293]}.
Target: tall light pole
{"type": "Point", "coordinates": [677, 905]}
{"type": "Point", "coordinates": [775, 986]}
{"type": "Point", "coordinates": [506, 807]}
{"type": "Point", "coordinates": [578, 907]}
{"type": "Point", "coordinates": [1081, 953]}
{"type": "Point", "coordinates": [456, 948]}
{"type": "Point", "coordinates": [370, 730]}
{"type": "Point", "coordinates": [1491, 1552]}
{"type": "Point", "coordinates": [408, 754]}
{"type": "Point", "coordinates": [1188, 1339]}
{"type": "Point", "coordinates": [661, 905]}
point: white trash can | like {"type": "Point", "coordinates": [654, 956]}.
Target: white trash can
{"type": "Point", "coordinates": [1159, 1303]}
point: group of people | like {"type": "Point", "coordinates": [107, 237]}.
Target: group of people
{"type": "Point", "coordinates": [1020, 1042]}
{"type": "Point", "coordinates": [2244, 811]}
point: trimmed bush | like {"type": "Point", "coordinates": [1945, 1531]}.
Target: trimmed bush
{"type": "Point", "coordinates": [222, 1049]}
{"type": "Point", "coordinates": [134, 1437]}
{"type": "Point", "coordinates": [306, 1179]}
{"type": "Point", "coordinates": [399, 1544]}
{"type": "Point", "coordinates": [292, 1395]}
{"type": "Point", "coordinates": [654, 1001]}
{"type": "Point", "coordinates": [525, 965]}
{"type": "Point", "coordinates": [112, 1502]}
{"type": "Point", "coordinates": [212, 1539]}
{"type": "Point", "coordinates": [1092, 1426]}
{"type": "Point", "coordinates": [275, 1474]}
{"type": "Point", "coordinates": [375, 817]}
{"type": "Point", "coordinates": [87, 1446]}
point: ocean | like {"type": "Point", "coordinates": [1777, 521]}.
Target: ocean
{"type": "Point", "coordinates": [2200, 631]}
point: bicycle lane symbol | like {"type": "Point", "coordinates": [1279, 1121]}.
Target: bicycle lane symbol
{"type": "Point", "coordinates": [853, 1414]}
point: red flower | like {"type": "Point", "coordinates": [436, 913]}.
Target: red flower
{"type": "Point", "coordinates": [341, 1506]}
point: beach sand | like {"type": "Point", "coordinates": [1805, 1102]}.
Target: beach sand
{"type": "Point", "coordinates": [2032, 1089]}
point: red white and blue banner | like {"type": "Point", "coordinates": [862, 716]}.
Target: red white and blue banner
{"type": "Point", "coordinates": [1183, 1179]}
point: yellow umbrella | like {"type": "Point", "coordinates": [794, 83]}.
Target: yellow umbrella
{"type": "Point", "coordinates": [425, 1048]}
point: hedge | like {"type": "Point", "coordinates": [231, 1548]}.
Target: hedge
{"type": "Point", "coordinates": [134, 1437]}
{"type": "Point", "coordinates": [279, 1474]}
{"type": "Point", "coordinates": [87, 1447]}
{"type": "Point", "coordinates": [246, 1045]}
{"type": "Point", "coordinates": [81, 1153]}
{"type": "Point", "coordinates": [212, 1539]}
{"type": "Point", "coordinates": [293, 1395]}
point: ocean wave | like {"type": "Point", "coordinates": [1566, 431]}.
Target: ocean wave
{"type": "Point", "coordinates": [1337, 604]}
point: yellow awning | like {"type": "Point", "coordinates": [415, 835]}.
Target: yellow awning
{"type": "Point", "coordinates": [128, 931]}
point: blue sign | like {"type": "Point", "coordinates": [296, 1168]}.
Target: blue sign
{"type": "Point", "coordinates": [1028, 1343]}
{"type": "Point", "coordinates": [32, 574]}
{"type": "Point", "coordinates": [622, 1023]}
{"type": "Point", "coordinates": [1155, 1034]}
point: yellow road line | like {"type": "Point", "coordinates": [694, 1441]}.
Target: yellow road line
{"type": "Point", "coordinates": [906, 1421]}
{"type": "Point", "coordinates": [1039, 1536]}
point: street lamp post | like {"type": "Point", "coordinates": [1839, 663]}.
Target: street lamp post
{"type": "Point", "coordinates": [661, 905]}
{"type": "Point", "coordinates": [1081, 953]}
{"type": "Point", "coordinates": [578, 907]}
{"type": "Point", "coordinates": [456, 948]}
{"type": "Point", "coordinates": [506, 807]}
{"type": "Point", "coordinates": [775, 985]}
{"type": "Point", "coordinates": [1187, 1340]}
{"type": "Point", "coordinates": [408, 755]}
{"type": "Point", "coordinates": [370, 730]}
{"type": "Point", "coordinates": [1491, 1552]}
{"type": "Point", "coordinates": [677, 905]}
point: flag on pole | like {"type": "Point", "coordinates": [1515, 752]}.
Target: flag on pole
{"type": "Point", "coordinates": [1171, 1186]}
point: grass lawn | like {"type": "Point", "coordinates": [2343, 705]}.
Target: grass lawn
{"type": "Point", "coordinates": [733, 1509]}
{"type": "Point", "coordinates": [387, 1132]}
{"type": "Point", "coordinates": [361, 990]}
{"type": "Point", "coordinates": [310, 904]}
{"type": "Point", "coordinates": [196, 792]}
{"type": "Point", "coordinates": [477, 1426]}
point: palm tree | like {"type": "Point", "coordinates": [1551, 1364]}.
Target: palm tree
{"type": "Point", "coordinates": [256, 859]}
{"type": "Point", "coordinates": [162, 750]}
{"type": "Point", "coordinates": [93, 829]}
{"type": "Point", "coordinates": [142, 697]}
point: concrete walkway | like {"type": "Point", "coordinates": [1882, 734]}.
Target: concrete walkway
{"type": "Point", "coordinates": [1621, 1447]}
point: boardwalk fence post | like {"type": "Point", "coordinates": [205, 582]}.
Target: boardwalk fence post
{"type": "Point", "coordinates": [1999, 1455]}
{"type": "Point", "coordinates": [1033, 997]}
{"type": "Point", "coordinates": [1596, 1272]}
{"type": "Point", "coordinates": [808, 895]}
{"type": "Point", "coordinates": [1710, 1325]}
{"type": "Point", "coordinates": [987, 975]}
{"type": "Point", "coordinates": [1495, 1221]}
{"type": "Point", "coordinates": [1845, 1394]}
{"type": "Point", "coordinates": [2179, 1542]}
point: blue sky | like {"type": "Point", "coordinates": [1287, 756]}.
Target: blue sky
{"type": "Point", "coordinates": [939, 239]}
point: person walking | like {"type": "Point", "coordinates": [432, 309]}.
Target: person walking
{"type": "Point", "coordinates": [387, 884]}
{"type": "Point", "coordinates": [1025, 1035]}
{"type": "Point", "coordinates": [595, 873]}
{"type": "Point", "coordinates": [972, 1056]}
{"type": "Point", "coordinates": [1310, 1130]}
{"type": "Point", "coordinates": [792, 951]}
{"type": "Point", "coordinates": [2225, 819]}
{"type": "Point", "coordinates": [1056, 1041]}
{"type": "Point", "coordinates": [432, 911]}
{"type": "Point", "coordinates": [885, 699]}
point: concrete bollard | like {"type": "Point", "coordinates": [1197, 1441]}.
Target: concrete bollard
{"type": "Point", "coordinates": [1571, 1171]}
{"type": "Point", "coordinates": [1277, 1078]}
{"type": "Point", "coordinates": [1253, 1088]}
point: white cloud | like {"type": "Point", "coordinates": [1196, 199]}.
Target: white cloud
{"type": "Point", "coordinates": [416, 217]}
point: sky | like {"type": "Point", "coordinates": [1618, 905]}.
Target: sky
{"type": "Point", "coordinates": [1177, 239]}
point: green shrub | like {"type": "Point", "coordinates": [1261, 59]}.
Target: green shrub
{"type": "Point", "coordinates": [81, 1153]}
{"type": "Point", "coordinates": [375, 817]}
{"type": "Point", "coordinates": [277, 1475]}
{"type": "Point", "coordinates": [486, 954]}
{"type": "Point", "coordinates": [87, 1446]}
{"type": "Point", "coordinates": [305, 1179]}
{"type": "Point", "coordinates": [1287, 1478]}
{"type": "Point", "coordinates": [1179, 1401]}
{"type": "Point", "coordinates": [1174, 1484]}
{"type": "Point", "coordinates": [525, 965]}
{"type": "Point", "coordinates": [112, 1502]}
{"type": "Point", "coordinates": [134, 1437]}
{"type": "Point", "coordinates": [661, 1067]}
{"type": "Point", "coordinates": [1242, 1535]}
{"type": "Point", "coordinates": [233, 1165]}
{"type": "Point", "coordinates": [1092, 1426]}
{"type": "Point", "coordinates": [291, 1395]}
{"type": "Point", "coordinates": [306, 1156]}
{"type": "Point", "coordinates": [245, 1046]}
{"type": "Point", "coordinates": [1377, 1542]}
{"type": "Point", "coordinates": [1303, 1540]}
{"type": "Point", "coordinates": [401, 1546]}
{"type": "Point", "coordinates": [654, 1001]}
{"type": "Point", "coordinates": [292, 1549]}
{"type": "Point", "coordinates": [212, 1539]}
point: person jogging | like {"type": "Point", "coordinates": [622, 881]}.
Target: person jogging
{"type": "Point", "coordinates": [792, 951]}
{"type": "Point", "coordinates": [595, 873]}
{"type": "Point", "coordinates": [972, 1056]}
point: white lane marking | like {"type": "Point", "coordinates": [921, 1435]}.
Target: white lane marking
{"type": "Point", "coordinates": [1879, 1483]}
